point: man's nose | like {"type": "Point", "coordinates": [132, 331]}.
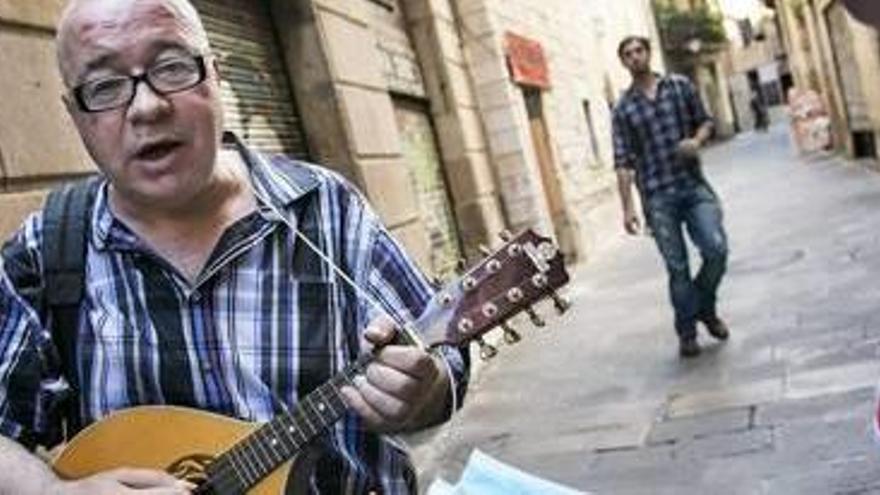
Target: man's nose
{"type": "Point", "coordinates": [147, 104]}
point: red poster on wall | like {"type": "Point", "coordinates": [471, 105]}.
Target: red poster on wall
{"type": "Point", "coordinates": [526, 61]}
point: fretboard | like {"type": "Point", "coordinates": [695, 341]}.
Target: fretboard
{"type": "Point", "coordinates": [258, 454]}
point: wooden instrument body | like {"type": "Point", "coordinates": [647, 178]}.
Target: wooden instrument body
{"type": "Point", "coordinates": [166, 438]}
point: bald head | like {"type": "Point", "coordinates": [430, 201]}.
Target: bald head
{"type": "Point", "coordinates": [867, 11]}
{"type": "Point", "coordinates": [87, 24]}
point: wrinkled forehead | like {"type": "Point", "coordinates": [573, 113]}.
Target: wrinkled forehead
{"type": "Point", "coordinates": [92, 29]}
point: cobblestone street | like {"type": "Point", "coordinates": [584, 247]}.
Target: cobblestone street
{"type": "Point", "coordinates": [599, 400]}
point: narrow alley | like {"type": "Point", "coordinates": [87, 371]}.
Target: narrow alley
{"type": "Point", "coordinates": [600, 400]}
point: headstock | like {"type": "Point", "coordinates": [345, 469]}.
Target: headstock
{"type": "Point", "coordinates": [512, 278]}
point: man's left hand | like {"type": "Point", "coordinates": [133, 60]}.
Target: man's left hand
{"type": "Point", "coordinates": [689, 148]}
{"type": "Point", "coordinates": [401, 386]}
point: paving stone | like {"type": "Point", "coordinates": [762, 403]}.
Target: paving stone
{"type": "Point", "coordinates": [726, 445]}
{"type": "Point", "coordinates": [855, 402]}
{"type": "Point", "coordinates": [812, 383]}
{"type": "Point", "coordinates": [679, 429]}
{"type": "Point", "coordinates": [726, 398]}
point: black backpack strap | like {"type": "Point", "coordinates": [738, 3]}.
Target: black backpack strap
{"type": "Point", "coordinates": [66, 220]}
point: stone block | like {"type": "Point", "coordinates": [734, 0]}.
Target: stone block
{"type": "Point", "coordinates": [471, 129]}
{"type": "Point", "coordinates": [459, 85]}
{"type": "Point", "coordinates": [727, 398]}
{"type": "Point", "coordinates": [450, 43]}
{"type": "Point", "coordinates": [390, 188]}
{"type": "Point", "coordinates": [370, 120]}
{"type": "Point", "coordinates": [508, 141]}
{"type": "Point", "coordinates": [470, 176]}
{"type": "Point", "coordinates": [15, 207]}
{"type": "Point", "coordinates": [41, 14]}
{"type": "Point", "coordinates": [459, 134]}
{"type": "Point", "coordinates": [496, 93]}
{"type": "Point", "coordinates": [832, 380]}
{"type": "Point", "coordinates": [38, 138]}
{"type": "Point", "coordinates": [679, 429]}
{"type": "Point", "coordinates": [352, 10]}
{"type": "Point", "coordinates": [413, 236]}
{"type": "Point", "coordinates": [352, 50]}
{"type": "Point", "coordinates": [479, 221]}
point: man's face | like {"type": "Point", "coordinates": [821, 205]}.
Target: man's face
{"type": "Point", "coordinates": [636, 57]}
{"type": "Point", "coordinates": [158, 149]}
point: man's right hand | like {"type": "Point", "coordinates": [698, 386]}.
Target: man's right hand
{"type": "Point", "coordinates": [631, 223]}
{"type": "Point", "coordinates": [124, 481]}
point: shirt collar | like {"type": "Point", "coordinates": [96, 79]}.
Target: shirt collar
{"type": "Point", "coordinates": [634, 92]}
{"type": "Point", "coordinates": [277, 179]}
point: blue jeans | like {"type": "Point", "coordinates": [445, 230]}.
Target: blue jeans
{"type": "Point", "coordinates": [698, 209]}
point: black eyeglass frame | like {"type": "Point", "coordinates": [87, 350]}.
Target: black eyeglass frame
{"type": "Point", "coordinates": [77, 91]}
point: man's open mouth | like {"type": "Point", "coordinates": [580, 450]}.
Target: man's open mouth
{"type": "Point", "coordinates": [157, 150]}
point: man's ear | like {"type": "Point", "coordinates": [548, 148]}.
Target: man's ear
{"type": "Point", "coordinates": [69, 104]}
{"type": "Point", "coordinates": [215, 62]}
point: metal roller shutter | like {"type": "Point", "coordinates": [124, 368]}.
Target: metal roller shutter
{"type": "Point", "coordinates": [420, 152]}
{"type": "Point", "coordinates": [257, 96]}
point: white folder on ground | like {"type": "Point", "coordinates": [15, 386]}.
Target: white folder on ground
{"type": "Point", "coordinates": [484, 475]}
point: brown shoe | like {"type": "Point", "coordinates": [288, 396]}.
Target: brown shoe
{"type": "Point", "coordinates": [717, 328]}
{"type": "Point", "coordinates": [688, 348]}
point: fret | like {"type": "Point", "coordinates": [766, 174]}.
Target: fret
{"type": "Point", "coordinates": [254, 455]}
{"type": "Point", "coordinates": [293, 429]}
{"type": "Point", "coordinates": [230, 461]}
{"type": "Point", "coordinates": [251, 471]}
{"type": "Point", "coordinates": [223, 480]}
{"type": "Point", "coordinates": [286, 443]}
{"type": "Point", "coordinates": [300, 413]}
{"type": "Point", "coordinates": [327, 401]}
{"type": "Point", "coordinates": [309, 405]}
{"type": "Point", "coordinates": [259, 438]}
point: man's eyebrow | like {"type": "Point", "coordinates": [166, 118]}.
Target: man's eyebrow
{"type": "Point", "coordinates": [107, 59]}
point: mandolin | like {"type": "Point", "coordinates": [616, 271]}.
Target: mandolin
{"type": "Point", "coordinates": [224, 456]}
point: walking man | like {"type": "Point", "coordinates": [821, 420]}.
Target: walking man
{"type": "Point", "coordinates": [659, 126]}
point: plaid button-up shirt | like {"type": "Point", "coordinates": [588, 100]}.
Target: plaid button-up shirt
{"type": "Point", "coordinates": [265, 322]}
{"type": "Point", "coordinates": [646, 133]}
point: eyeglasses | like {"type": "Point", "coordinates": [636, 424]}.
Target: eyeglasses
{"type": "Point", "coordinates": [171, 75]}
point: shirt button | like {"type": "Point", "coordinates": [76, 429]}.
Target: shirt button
{"type": "Point", "coordinates": [206, 366]}
{"type": "Point", "coordinates": [196, 296]}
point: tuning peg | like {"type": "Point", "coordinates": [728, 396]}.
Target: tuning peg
{"type": "Point", "coordinates": [505, 235]}
{"type": "Point", "coordinates": [487, 351]}
{"type": "Point", "coordinates": [461, 265]}
{"type": "Point", "coordinates": [536, 318]}
{"type": "Point", "coordinates": [562, 304]}
{"type": "Point", "coordinates": [485, 250]}
{"type": "Point", "coordinates": [511, 336]}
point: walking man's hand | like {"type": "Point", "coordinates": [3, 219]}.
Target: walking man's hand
{"type": "Point", "coordinates": [631, 223]}
{"type": "Point", "coordinates": [689, 148]}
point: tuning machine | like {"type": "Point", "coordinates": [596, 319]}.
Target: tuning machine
{"type": "Point", "coordinates": [487, 351]}
{"type": "Point", "coordinates": [535, 317]}
{"type": "Point", "coordinates": [562, 304]}
{"type": "Point", "coordinates": [511, 336]}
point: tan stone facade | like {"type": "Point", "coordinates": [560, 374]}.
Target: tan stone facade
{"type": "Point", "coordinates": [711, 73]}
{"type": "Point", "coordinates": [758, 63]}
{"type": "Point", "coordinates": [838, 57]}
{"type": "Point", "coordinates": [38, 144]}
{"type": "Point", "coordinates": [381, 84]}
{"type": "Point", "coordinates": [551, 148]}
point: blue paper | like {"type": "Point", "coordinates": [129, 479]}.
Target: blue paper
{"type": "Point", "coordinates": [484, 475]}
